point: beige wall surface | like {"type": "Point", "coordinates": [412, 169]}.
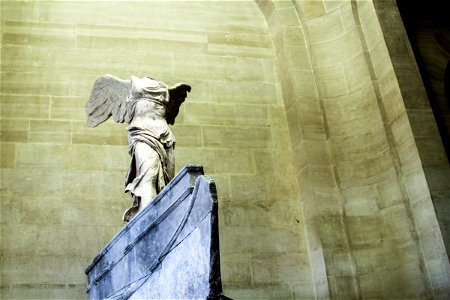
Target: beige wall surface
{"type": "Point", "coordinates": [298, 111]}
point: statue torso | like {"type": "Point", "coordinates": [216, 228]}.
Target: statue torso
{"type": "Point", "coordinates": [147, 104]}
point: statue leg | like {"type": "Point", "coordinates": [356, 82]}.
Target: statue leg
{"type": "Point", "coordinates": [170, 162]}
{"type": "Point", "coordinates": [147, 166]}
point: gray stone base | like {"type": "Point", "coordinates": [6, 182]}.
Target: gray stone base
{"type": "Point", "coordinates": [169, 251]}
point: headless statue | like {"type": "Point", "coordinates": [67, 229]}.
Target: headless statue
{"type": "Point", "coordinates": [148, 106]}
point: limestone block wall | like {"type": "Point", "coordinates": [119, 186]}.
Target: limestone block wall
{"type": "Point", "coordinates": [418, 111]}
{"type": "Point", "coordinates": [62, 183]}
{"type": "Point", "coordinates": [302, 111]}
{"type": "Point", "coordinates": [363, 191]}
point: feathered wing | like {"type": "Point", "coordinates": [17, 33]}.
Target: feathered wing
{"type": "Point", "coordinates": [108, 97]}
{"type": "Point", "coordinates": [177, 95]}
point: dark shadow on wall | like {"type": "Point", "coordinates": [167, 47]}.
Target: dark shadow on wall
{"type": "Point", "coordinates": [427, 24]}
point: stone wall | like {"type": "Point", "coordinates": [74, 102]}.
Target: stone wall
{"type": "Point", "coordinates": [299, 110]}
{"type": "Point", "coordinates": [62, 183]}
{"type": "Point", "coordinates": [362, 183]}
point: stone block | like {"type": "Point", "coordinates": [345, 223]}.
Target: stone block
{"type": "Point", "coordinates": [208, 114]}
{"type": "Point", "coordinates": [232, 161]}
{"type": "Point", "coordinates": [331, 81]}
{"type": "Point", "coordinates": [381, 61]}
{"type": "Point", "coordinates": [67, 108]}
{"type": "Point", "coordinates": [311, 119]}
{"type": "Point", "coordinates": [327, 27]}
{"type": "Point", "coordinates": [323, 176]}
{"type": "Point", "coordinates": [365, 232]}
{"type": "Point", "coordinates": [357, 74]}
{"type": "Point", "coordinates": [8, 155]}
{"type": "Point", "coordinates": [236, 269]}
{"type": "Point", "coordinates": [257, 92]}
{"type": "Point", "coordinates": [258, 240]}
{"type": "Point", "coordinates": [187, 135]}
{"type": "Point", "coordinates": [260, 292]}
{"type": "Point", "coordinates": [46, 131]}
{"type": "Point", "coordinates": [373, 33]}
{"type": "Point", "coordinates": [389, 192]}
{"type": "Point", "coordinates": [311, 9]}
{"type": "Point", "coordinates": [239, 51]}
{"type": "Point", "coordinates": [317, 152]}
{"type": "Point", "coordinates": [108, 133]}
{"type": "Point", "coordinates": [44, 291]}
{"type": "Point", "coordinates": [415, 182]}
{"type": "Point", "coordinates": [404, 282]}
{"type": "Point", "coordinates": [103, 42]}
{"type": "Point", "coordinates": [424, 214]}
{"type": "Point", "coordinates": [24, 106]}
{"type": "Point", "coordinates": [239, 39]}
{"type": "Point", "coordinates": [404, 139]}
{"type": "Point", "coordinates": [19, 239]}
{"type": "Point", "coordinates": [327, 204]}
{"type": "Point", "coordinates": [39, 40]}
{"type": "Point", "coordinates": [274, 24]}
{"type": "Point", "coordinates": [254, 115]}
{"type": "Point", "coordinates": [360, 207]}
{"type": "Point", "coordinates": [293, 36]}
{"type": "Point", "coordinates": [222, 68]}
{"type": "Point", "coordinates": [357, 146]}
{"type": "Point", "coordinates": [303, 85]}
{"type": "Point", "coordinates": [38, 83]}
{"type": "Point", "coordinates": [294, 124]}
{"type": "Point", "coordinates": [264, 162]}
{"type": "Point", "coordinates": [391, 96]}
{"type": "Point", "coordinates": [331, 231]}
{"type": "Point", "coordinates": [370, 285]}
{"type": "Point", "coordinates": [366, 171]}
{"type": "Point", "coordinates": [74, 157]}
{"type": "Point", "coordinates": [397, 225]}
{"type": "Point", "coordinates": [266, 7]}
{"type": "Point", "coordinates": [297, 57]}
{"type": "Point", "coordinates": [52, 182]}
{"type": "Point", "coordinates": [271, 75]}
{"type": "Point", "coordinates": [248, 189]}
{"type": "Point", "coordinates": [287, 16]}
{"type": "Point", "coordinates": [334, 5]}
{"type": "Point", "coordinates": [14, 130]}
{"type": "Point", "coordinates": [52, 270]}
{"type": "Point", "coordinates": [345, 287]}
{"type": "Point", "coordinates": [237, 137]}
{"type": "Point", "coordinates": [277, 183]}
{"type": "Point", "coordinates": [337, 50]}
{"type": "Point", "coordinates": [341, 263]}
{"type": "Point", "coordinates": [348, 19]}
{"type": "Point", "coordinates": [170, 46]}
{"type": "Point", "coordinates": [352, 114]}
{"type": "Point", "coordinates": [289, 268]}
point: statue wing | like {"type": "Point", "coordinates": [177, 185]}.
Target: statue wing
{"type": "Point", "coordinates": [177, 95]}
{"type": "Point", "coordinates": [108, 97]}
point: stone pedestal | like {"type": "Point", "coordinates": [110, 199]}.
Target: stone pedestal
{"type": "Point", "coordinates": [169, 251]}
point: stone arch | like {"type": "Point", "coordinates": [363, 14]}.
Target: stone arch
{"type": "Point", "coordinates": [341, 71]}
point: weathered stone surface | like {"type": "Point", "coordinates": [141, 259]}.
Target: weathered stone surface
{"type": "Point", "coordinates": [169, 250]}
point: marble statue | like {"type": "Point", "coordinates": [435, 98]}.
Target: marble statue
{"type": "Point", "coordinates": [148, 106]}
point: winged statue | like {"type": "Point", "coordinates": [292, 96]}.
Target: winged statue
{"type": "Point", "coordinates": [148, 106]}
